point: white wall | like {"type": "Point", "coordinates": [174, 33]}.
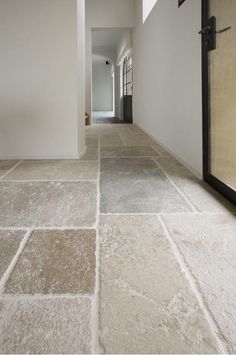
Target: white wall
{"type": "Point", "coordinates": [110, 53]}
{"type": "Point", "coordinates": [104, 14]}
{"type": "Point", "coordinates": [167, 78]}
{"type": "Point", "coordinates": [40, 96]}
{"type": "Point", "coordinates": [102, 86]}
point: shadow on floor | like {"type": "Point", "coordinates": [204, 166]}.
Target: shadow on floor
{"type": "Point", "coordinates": [105, 117]}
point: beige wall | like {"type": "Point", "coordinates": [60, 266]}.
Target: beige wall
{"type": "Point", "coordinates": [40, 92]}
{"type": "Point", "coordinates": [167, 78]}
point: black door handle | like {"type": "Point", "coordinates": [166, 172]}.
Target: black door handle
{"type": "Point", "coordinates": [206, 30]}
{"type": "Point", "coordinates": [224, 29]}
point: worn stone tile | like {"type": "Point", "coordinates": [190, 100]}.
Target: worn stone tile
{"type": "Point", "coordinates": [6, 165]}
{"type": "Point", "coordinates": [201, 195]}
{"type": "Point", "coordinates": [97, 129]}
{"type": "Point", "coordinates": [110, 140]}
{"type": "Point", "coordinates": [161, 151]}
{"type": "Point", "coordinates": [46, 326]}
{"type": "Point", "coordinates": [91, 154]}
{"type": "Point", "coordinates": [59, 262]}
{"type": "Point", "coordinates": [138, 139]}
{"type": "Point", "coordinates": [9, 244]}
{"type": "Point", "coordinates": [91, 141]}
{"type": "Point", "coordinates": [54, 170]}
{"type": "Point", "coordinates": [208, 245]}
{"type": "Point", "coordinates": [147, 305]}
{"type": "Point", "coordinates": [49, 204]}
{"type": "Point", "coordinates": [137, 186]}
{"type": "Point", "coordinates": [117, 152]}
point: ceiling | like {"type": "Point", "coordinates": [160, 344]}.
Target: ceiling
{"type": "Point", "coordinates": [106, 38]}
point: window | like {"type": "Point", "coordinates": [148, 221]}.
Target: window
{"type": "Point", "coordinates": [147, 8]}
{"type": "Point", "coordinates": [128, 76]}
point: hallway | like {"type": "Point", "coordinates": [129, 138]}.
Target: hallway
{"type": "Point", "coordinates": [115, 253]}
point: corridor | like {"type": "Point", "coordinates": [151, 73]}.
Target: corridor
{"type": "Point", "coordinates": [114, 253]}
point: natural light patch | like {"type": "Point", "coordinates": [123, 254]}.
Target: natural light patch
{"type": "Point", "coordinates": [147, 8]}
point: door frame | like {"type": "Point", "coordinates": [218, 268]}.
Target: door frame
{"type": "Point", "coordinates": [206, 124]}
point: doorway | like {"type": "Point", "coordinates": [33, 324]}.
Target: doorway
{"type": "Point", "coordinates": [219, 95]}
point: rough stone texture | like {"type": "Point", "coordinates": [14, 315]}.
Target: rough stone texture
{"type": "Point", "coordinates": [208, 244]}
{"type": "Point", "coordinates": [137, 186]}
{"type": "Point", "coordinates": [6, 165]}
{"type": "Point", "coordinates": [201, 195]}
{"type": "Point", "coordinates": [9, 244]}
{"type": "Point", "coordinates": [91, 154]}
{"type": "Point", "coordinates": [138, 152]}
{"type": "Point", "coordinates": [147, 305]}
{"type": "Point", "coordinates": [138, 139]}
{"type": "Point", "coordinates": [110, 140]}
{"type": "Point", "coordinates": [54, 170]}
{"type": "Point", "coordinates": [59, 262]}
{"type": "Point", "coordinates": [50, 326]}
{"type": "Point", "coordinates": [27, 204]}
{"type": "Point", "coordinates": [91, 141]}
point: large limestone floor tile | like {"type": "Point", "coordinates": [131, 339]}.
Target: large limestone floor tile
{"type": "Point", "coordinates": [6, 165]}
{"type": "Point", "coordinates": [111, 140]}
{"type": "Point", "coordinates": [136, 140]}
{"type": "Point", "coordinates": [97, 130]}
{"type": "Point", "coordinates": [90, 154]}
{"type": "Point", "coordinates": [46, 326]}
{"type": "Point", "coordinates": [54, 170]}
{"type": "Point", "coordinates": [201, 195]}
{"type": "Point", "coordinates": [91, 141]}
{"type": "Point", "coordinates": [146, 304]}
{"type": "Point", "coordinates": [117, 152]}
{"type": "Point", "coordinates": [59, 262]}
{"type": "Point", "coordinates": [54, 204]}
{"type": "Point", "coordinates": [208, 244]}
{"type": "Point", "coordinates": [137, 186]}
{"type": "Point", "coordinates": [9, 244]}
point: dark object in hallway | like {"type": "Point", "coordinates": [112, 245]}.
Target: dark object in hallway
{"type": "Point", "coordinates": [181, 2]}
{"type": "Point", "coordinates": [128, 109]}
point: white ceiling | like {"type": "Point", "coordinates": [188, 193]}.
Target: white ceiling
{"type": "Point", "coordinates": [106, 38]}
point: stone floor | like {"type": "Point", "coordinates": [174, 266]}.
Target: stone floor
{"type": "Point", "coordinates": [123, 251]}
{"type": "Point", "coordinates": [105, 117]}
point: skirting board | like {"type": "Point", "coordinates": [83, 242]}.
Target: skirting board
{"type": "Point", "coordinates": [62, 157]}
{"type": "Point", "coordinates": [195, 173]}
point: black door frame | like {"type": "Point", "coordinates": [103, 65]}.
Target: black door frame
{"type": "Point", "coordinates": [208, 177]}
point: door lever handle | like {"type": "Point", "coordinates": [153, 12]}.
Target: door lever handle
{"type": "Point", "coordinates": [205, 30]}
{"type": "Point", "coordinates": [224, 29]}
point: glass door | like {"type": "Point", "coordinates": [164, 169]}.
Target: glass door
{"type": "Point", "coordinates": [219, 94]}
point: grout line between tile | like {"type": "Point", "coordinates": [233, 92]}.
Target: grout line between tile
{"type": "Point", "coordinates": [96, 347]}
{"type": "Point", "coordinates": [9, 171]}
{"type": "Point", "coordinates": [176, 187]}
{"type": "Point", "coordinates": [123, 140]}
{"type": "Point", "coordinates": [22, 181]}
{"type": "Point", "coordinates": [38, 296]}
{"type": "Point", "coordinates": [195, 288]}
{"type": "Point", "coordinates": [59, 228]}
{"type": "Point", "coordinates": [15, 259]}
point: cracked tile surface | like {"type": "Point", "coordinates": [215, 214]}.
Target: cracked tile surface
{"type": "Point", "coordinates": [47, 204]}
{"type": "Point", "coordinates": [139, 315]}
{"type": "Point", "coordinates": [9, 244]}
{"type": "Point", "coordinates": [56, 262]}
{"type": "Point", "coordinates": [58, 326]}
